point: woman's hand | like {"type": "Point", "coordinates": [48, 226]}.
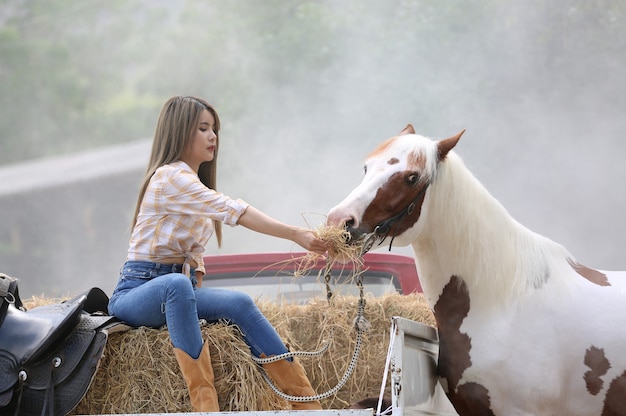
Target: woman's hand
{"type": "Point", "coordinates": [309, 240]}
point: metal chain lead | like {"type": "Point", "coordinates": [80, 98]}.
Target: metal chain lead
{"type": "Point", "coordinates": [361, 325]}
{"type": "Point", "coordinates": [329, 291]}
{"type": "Point", "coordinates": [290, 354]}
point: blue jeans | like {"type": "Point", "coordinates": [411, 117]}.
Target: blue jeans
{"type": "Point", "coordinates": [154, 294]}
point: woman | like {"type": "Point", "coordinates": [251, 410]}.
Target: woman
{"type": "Point", "coordinates": [177, 212]}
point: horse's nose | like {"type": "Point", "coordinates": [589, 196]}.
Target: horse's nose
{"type": "Point", "coordinates": [342, 218]}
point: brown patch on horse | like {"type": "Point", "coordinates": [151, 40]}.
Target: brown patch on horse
{"type": "Point", "coordinates": [614, 403]}
{"type": "Point", "coordinates": [391, 198]}
{"type": "Point", "coordinates": [594, 276]}
{"type": "Point", "coordinates": [473, 399]}
{"type": "Point", "coordinates": [599, 365]}
{"type": "Point", "coordinates": [451, 308]}
{"type": "Point", "coordinates": [454, 350]}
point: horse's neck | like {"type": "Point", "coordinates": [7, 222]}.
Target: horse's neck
{"type": "Point", "coordinates": [467, 233]}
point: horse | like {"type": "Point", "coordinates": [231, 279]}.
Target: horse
{"type": "Point", "coordinates": [524, 328]}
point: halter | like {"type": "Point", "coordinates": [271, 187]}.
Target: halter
{"type": "Point", "coordinates": [382, 230]}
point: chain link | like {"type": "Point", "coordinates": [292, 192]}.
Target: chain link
{"type": "Point", "coordinates": [290, 354]}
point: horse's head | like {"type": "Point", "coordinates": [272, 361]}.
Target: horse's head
{"type": "Point", "coordinates": [389, 199]}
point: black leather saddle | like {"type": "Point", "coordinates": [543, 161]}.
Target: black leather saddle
{"type": "Point", "coordinates": [49, 354]}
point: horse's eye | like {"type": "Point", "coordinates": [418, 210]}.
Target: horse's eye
{"type": "Point", "coordinates": [412, 179]}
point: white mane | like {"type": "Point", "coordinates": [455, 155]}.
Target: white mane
{"type": "Point", "coordinates": [471, 235]}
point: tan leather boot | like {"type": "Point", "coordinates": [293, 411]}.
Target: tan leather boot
{"type": "Point", "coordinates": [198, 375]}
{"type": "Point", "coordinates": [291, 379]}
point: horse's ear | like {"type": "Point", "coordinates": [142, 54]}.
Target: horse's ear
{"type": "Point", "coordinates": [407, 130]}
{"type": "Point", "coordinates": [445, 145]}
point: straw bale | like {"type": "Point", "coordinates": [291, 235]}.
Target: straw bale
{"type": "Point", "coordinates": [139, 374]}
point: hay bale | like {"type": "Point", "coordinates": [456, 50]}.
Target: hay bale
{"type": "Point", "coordinates": [139, 373]}
{"type": "Point", "coordinates": [306, 327]}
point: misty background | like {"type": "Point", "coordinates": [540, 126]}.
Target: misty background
{"type": "Point", "coordinates": [304, 89]}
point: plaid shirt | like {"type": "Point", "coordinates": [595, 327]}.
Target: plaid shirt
{"type": "Point", "coordinates": [175, 217]}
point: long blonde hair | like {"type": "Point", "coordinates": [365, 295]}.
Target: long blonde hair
{"type": "Point", "coordinates": [174, 131]}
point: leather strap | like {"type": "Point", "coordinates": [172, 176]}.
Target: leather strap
{"type": "Point", "coordinates": [5, 281]}
{"type": "Point", "coordinates": [8, 295]}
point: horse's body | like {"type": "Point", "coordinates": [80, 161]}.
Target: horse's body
{"type": "Point", "coordinates": [524, 329]}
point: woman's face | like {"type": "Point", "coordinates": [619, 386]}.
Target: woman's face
{"type": "Point", "coordinates": [202, 146]}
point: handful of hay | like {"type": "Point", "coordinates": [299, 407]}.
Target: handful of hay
{"type": "Point", "coordinates": [340, 249]}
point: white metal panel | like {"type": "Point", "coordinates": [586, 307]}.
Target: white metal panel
{"type": "Point", "coordinates": [415, 385]}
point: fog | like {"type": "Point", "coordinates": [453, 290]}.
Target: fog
{"type": "Point", "coordinates": [538, 86]}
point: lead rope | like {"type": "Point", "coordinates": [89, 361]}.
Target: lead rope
{"type": "Point", "coordinates": [361, 324]}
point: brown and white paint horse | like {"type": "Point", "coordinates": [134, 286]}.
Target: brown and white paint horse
{"type": "Point", "coordinates": [524, 328]}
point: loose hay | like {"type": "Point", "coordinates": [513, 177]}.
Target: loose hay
{"type": "Point", "coordinates": [337, 239]}
{"type": "Point", "coordinates": [139, 373]}
{"type": "Point", "coordinates": [339, 250]}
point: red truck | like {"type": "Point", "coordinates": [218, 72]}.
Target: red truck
{"type": "Point", "coordinates": [275, 276]}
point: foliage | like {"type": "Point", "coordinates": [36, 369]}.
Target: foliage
{"type": "Point", "coordinates": [78, 75]}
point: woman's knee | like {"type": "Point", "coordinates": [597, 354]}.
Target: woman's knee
{"type": "Point", "coordinates": [237, 305]}
{"type": "Point", "coordinates": [243, 300]}
{"type": "Point", "coordinates": [178, 286]}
